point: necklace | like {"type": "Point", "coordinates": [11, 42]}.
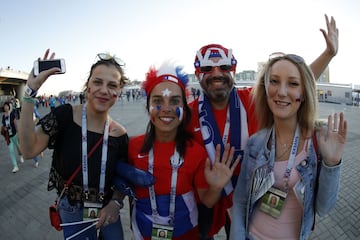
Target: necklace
{"type": "Point", "coordinates": [286, 148]}
{"type": "Point", "coordinates": [284, 145]}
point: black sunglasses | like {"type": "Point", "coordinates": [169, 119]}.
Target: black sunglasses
{"type": "Point", "coordinates": [107, 56]}
{"type": "Point", "coordinates": [207, 69]}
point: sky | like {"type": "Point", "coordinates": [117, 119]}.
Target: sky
{"type": "Point", "coordinates": [144, 33]}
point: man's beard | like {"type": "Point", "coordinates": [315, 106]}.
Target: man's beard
{"type": "Point", "coordinates": [219, 95]}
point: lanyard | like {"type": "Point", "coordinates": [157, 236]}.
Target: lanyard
{"type": "Point", "coordinates": [293, 152]}
{"type": "Point", "coordinates": [226, 127]}
{"type": "Point", "coordinates": [176, 163]}
{"type": "Point", "coordinates": [84, 154]}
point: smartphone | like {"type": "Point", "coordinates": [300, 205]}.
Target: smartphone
{"type": "Point", "coordinates": [42, 65]}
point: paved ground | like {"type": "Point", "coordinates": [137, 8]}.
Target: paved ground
{"type": "Point", "coordinates": [24, 200]}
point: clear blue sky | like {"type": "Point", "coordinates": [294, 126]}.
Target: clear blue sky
{"type": "Point", "coordinates": [144, 33]}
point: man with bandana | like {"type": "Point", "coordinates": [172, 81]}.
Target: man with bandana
{"type": "Point", "coordinates": [223, 114]}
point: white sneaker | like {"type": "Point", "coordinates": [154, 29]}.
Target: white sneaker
{"type": "Point", "coordinates": [36, 164]}
{"type": "Point", "coordinates": [21, 159]}
{"type": "Point", "coordinates": [15, 169]}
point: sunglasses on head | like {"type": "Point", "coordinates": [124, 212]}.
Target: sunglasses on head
{"type": "Point", "coordinates": [107, 56]}
{"type": "Point", "coordinates": [292, 57]}
{"type": "Point", "coordinates": [207, 69]}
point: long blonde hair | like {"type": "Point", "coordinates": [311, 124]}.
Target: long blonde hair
{"type": "Point", "coordinates": [307, 112]}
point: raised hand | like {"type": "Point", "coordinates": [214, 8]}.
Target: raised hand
{"type": "Point", "coordinates": [36, 82]}
{"type": "Point", "coordinates": [220, 172]}
{"type": "Point", "coordinates": [331, 36]}
{"type": "Point", "coordinates": [332, 139]}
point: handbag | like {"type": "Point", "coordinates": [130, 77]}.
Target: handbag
{"type": "Point", "coordinates": [55, 219]}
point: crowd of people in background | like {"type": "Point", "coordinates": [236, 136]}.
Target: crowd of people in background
{"type": "Point", "coordinates": [221, 116]}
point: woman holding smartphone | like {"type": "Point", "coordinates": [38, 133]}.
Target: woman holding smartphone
{"type": "Point", "coordinates": [73, 132]}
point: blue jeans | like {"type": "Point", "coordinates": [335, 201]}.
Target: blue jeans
{"type": "Point", "coordinates": [69, 213]}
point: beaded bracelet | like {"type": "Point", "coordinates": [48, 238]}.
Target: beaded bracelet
{"type": "Point", "coordinates": [28, 99]}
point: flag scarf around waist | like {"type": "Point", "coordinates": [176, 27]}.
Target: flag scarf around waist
{"type": "Point", "coordinates": [211, 134]}
{"type": "Point", "coordinates": [186, 215]}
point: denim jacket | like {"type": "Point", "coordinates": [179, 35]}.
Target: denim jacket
{"type": "Point", "coordinates": [257, 155]}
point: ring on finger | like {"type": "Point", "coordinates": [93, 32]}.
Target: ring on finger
{"type": "Point", "coordinates": [335, 130]}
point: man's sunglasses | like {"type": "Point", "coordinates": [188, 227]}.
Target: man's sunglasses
{"type": "Point", "coordinates": [107, 56]}
{"type": "Point", "coordinates": [293, 57]}
{"type": "Point", "coordinates": [207, 69]}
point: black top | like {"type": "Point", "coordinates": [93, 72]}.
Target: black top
{"type": "Point", "coordinates": [65, 139]}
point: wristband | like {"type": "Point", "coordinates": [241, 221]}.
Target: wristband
{"type": "Point", "coordinates": [118, 203]}
{"type": "Point", "coordinates": [28, 99]}
{"type": "Point", "coordinates": [29, 91]}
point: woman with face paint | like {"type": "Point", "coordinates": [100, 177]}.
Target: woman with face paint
{"type": "Point", "coordinates": [73, 131]}
{"type": "Point", "coordinates": [182, 172]}
{"type": "Point", "coordinates": [288, 159]}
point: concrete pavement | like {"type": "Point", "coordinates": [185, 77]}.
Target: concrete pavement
{"type": "Point", "coordinates": [24, 199]}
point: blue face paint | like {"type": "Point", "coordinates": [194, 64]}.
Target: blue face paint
{"type": "Point", "coordinates": [158, 107]}
{"type": "Point", "coordinates": [180, 113]}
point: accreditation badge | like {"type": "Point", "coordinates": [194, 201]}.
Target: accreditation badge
{"type": "Point", "coordinates": [91, 210]}
{"type": "Point", "coordinates": [273, 201]}
{"type": "Point", "coordinates": [161, 232]}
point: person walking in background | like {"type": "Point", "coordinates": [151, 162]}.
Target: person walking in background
{"type": "Point", "coordinates": [9, 129]}
{"type": "Point", "coordinates": [223, 114]}
{"type": "Point", "coordinates": [281, 159]}
{"type": "Point", "coordinates": [178, 163]}
{"type": "Point", "coordinates": [85, 139]}
{"type": "Point", "coordinates": [52, 102]}
{"type": "Point", "coordinates": [81, 97]}
{"type": "Point", "coordinates": [17, 107]}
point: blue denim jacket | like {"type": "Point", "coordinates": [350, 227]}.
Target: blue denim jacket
{"type": "Point", "coordinates": [257, 155]}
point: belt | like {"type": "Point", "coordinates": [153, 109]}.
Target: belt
{"type": "Point", "coordinates": [74, 193]}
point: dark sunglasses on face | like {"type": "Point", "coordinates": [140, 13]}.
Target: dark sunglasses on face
{"type": "Point", "coordinates": [293, 57]}
{"type": "Point", "coordinates": [207, 69]}
{"type": "Point", "coordinates": [107, 56]}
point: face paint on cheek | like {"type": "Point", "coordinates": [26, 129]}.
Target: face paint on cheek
{"type": "Point", "coordinates": [180, 113]}
{"type": "Point", "coordinates": [152, 108]}
{"type": "Point", "coordinates": [152, 117]}
{"type": "Point", "coordinates": [152, 112]}
{"type": "Point", "coordinates": [114, 94]}
{"type": "Point", "coordinates": [299, 99]}
{"type": "Point", "coordinates": [201, 76]}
